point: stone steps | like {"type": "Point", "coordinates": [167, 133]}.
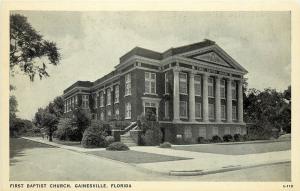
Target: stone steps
{"type": "Point", "coordinates": [127, 140]}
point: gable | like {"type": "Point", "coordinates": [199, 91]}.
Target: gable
{"type": "Point", "coordinates": [211, 57]}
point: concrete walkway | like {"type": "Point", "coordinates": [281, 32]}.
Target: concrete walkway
{"type": "Point", "coordinates": [200, 164]}
{"type": "Point", "coordinates": [205, 163]}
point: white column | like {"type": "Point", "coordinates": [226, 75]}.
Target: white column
{"type": "Point", "coordinates": [192, 97]}
{"type": "Point", "coordinates": [240, 101]}
{"type": "Point", "coordinates": [218, 100]}
{"type": "Point", "coordinates": [205, 97]}
{"type": "Point", "coordinates": [229, 101]}
{"type": "Point", "coordinates": [176, 104]}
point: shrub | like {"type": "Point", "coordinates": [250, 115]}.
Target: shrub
{"type": "Point", "coordinates": [238, 137]}
{"type": "Point", "coordinates": [66, 131]}
{"type": "Point", "coordinates": [165, 145]}
{"type": "Point", "coordinates": [94, 136]}
{"type": "Point", "coordinates": [216, 139]}
{"type": "Point", "coordinates": [227, 138]}
{"type": "Point", "coordinates": [152, 134]}
{"type": "Point", "coordinates": [202, 140]}
{"type": "Point", "coordinates": [117, 146]}
{"type": "Point", "coordinates": [109, 139]}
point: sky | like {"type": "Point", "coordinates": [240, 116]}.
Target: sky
{"type": "Point", "coordinates": [91, 44]}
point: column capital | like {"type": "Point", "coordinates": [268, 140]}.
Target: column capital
{"type": "Point", "coordinates": [176, 69]}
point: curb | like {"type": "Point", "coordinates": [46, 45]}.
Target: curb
{"type": "Point", "coordinates": [220, 170]}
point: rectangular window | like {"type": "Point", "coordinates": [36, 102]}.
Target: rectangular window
{"type": "Point", "coordinates": [222, 89]}
{"type": "Point", "coordinates": [102, 116]}
{"type": "Point", "coordinates": [198, 85]}
{"type": "Point", "coordinates": [117, 113]}
{"type": "Point", "coordinates": [183, 83]}
{"type": "Point", "coordinates": [96, 100]}
{"type": "Point", "coordinates": [211, 111]}
{"type": "Point", "coordinates": [101, 99]}
{"type": "Point", "coordinates": [167, 109]}
{"type": "Point", "coordinates": [198, 110]}
{"type": "Point", "coordinates": [150, 83]}
{"type": "Point", "coordinates": [128, 111]}
{"type": "Point", "coordinates": [183, 109]}
{"type": "Point", "coordinates": [127, 84]}
{"type": "Point", "coordinates": [85, 101]}
{"type": "Point", "coordinates": [211, 92]}
{"type": "Point", "coordinates": [167, 85]}
{"type": "Point", "coordinates": [234, 113]}
{"type": "Point", "coordinates": [108, 96]}
{"type": "Point", "coordinates": [223, 112]}
{"type": "Point", "coordinates": [65, 106]}
{"type": "Point", "coordinates": [215, 131]}
{"type": "Point", "coordinates": [117, 94]}
{"type": "Point", "coordinates": [233, 90]}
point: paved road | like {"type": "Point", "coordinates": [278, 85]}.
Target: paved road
{"type": "Point", "coordinates": [48, 163]}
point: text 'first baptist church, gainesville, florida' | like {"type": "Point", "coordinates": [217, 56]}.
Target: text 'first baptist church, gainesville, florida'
{"type": "Point", "coordinates": [194, 90]}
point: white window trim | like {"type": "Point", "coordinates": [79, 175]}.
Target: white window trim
{"type": "Point", "coordinates": [117, 94]}
{"type": "Point", "coordinates": [212, 85]}
{"type": "Point", "coordinates": [200, 110]}
{"type": "Point", "coordinates": [185, 74]}
{"type": "Point", "coordinates": [197, 82]}
{"type": "Point", "coordinates": [223, 118]}
{"type": "Point", "coordinates": [181, 116]}
{"type": "Point", "coordinates": [126, 110]}
{"type": "Point", "coordinates": [150, 86]}
{"type": "Point", "coordinates": [127, 82]}
{"type": "Point", "coordinates": [167, 83]}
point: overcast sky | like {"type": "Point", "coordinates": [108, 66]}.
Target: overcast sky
{"type": "Point", "coordinates": [92, 42]}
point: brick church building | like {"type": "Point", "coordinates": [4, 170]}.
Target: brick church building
{"type": "Point", "coordinates": [194, 90]}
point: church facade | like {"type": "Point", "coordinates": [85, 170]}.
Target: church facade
{"type": "Point", "coordinates": [195, 91]}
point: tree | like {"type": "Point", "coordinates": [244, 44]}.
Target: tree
{"type": "Point", "coordinates": [49, 121]}
{"type": "Point", "coordinates": [81, 119]}
{"type": "Point", "coordinates": [29, 52]}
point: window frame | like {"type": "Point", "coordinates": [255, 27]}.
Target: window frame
{"type": "Point", "coordinates": [108, 96]}
{"type": "Point", "coordinates": [233, 90]}
{"type": "Point", "coordinates": [210, 84]}
{"type": "Point", "coordinates": [198, 82]}
{"type": "Point", "coordinates": [151, 81]}
{"type": "Point", "coordinates": [223, 89]}
{"type": "Point", "coordinates": [167, 109]}
{"type": "Point", "coordinates": [234, 113]}
{"type": "Point", "coordinates": [117, 94]}
{"type": "Point", "coordinates": [223, 107]}
{"type": "Point", "coordinates": [167, 83]}
{"type": "Point", "coordinates": [185, 81]}
{"type": "Point", "coordinates": [128, 110]}
{"type": "Point", "coordinates": [200, 110]}
{"type": "Point", "coordinates": [213, 111]}
{"type": "Point", "coordinates": [127, 84]}
{"type": "Point", "coordinates": [186, 112]}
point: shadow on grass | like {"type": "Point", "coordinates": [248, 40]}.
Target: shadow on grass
{"type": "Point", "coordinates": [18, 145]}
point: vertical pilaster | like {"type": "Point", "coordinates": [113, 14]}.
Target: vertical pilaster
{"type": "Point", "coordinates": [218, 100]}
{"type": "Point", "coordinates": [205, 97]}
{"type": "Point", "coordinates": [240, 101]}
{"type": "Point", "coordinates": [176, 104]}
{"type": "Point", "coordinates": [192, 97]}
{"type": "Point", "coordinates": [229, 101]}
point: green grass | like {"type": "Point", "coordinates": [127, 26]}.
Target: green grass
{"type": "Point", "coordinates": [135, 156]}
{"type": "Point", "coordinates": [237, 149]}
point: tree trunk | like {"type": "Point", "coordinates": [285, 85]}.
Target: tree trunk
{"type": "Point", "coordinates": [50, 137]}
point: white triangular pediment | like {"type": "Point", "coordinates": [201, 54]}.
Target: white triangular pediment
{"type": "Point", "coordinates": [211, 57]}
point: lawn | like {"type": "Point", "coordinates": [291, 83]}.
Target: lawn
{"type": "Point", "coordinates": [237, 149]}
{"type": "Point", "coordinates": [68, 143]}
{"type": "Point", "coordinates": [135, 156]}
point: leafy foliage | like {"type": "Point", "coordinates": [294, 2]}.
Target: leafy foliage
{"type": "Point", "coordinates": [216, 139]}
{"type": "Point", "coordinates": [238, 137]}
{"type": "Point", "coordinates": [268, 109]}
{"type": "Point", "coordinates": [202, 140]}
{"type": "Point", "coordinates": [29, 52]}
{"type": "Point", "coordinates": [152, 134]}
{"type": "Point", "coordinates": [94, 136]}
{"type": "Point", "coordinates": [20, 126]}
{"type": "Point", "coordinates": [165, 145]}
{"type": "Point", "coordinates": [117, 146]}
{"type": "Point", "coordinates": [66, 130]}
{"type": "Point", "coordinates": [227, 138]}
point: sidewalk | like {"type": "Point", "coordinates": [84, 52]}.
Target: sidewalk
{"type": "Point", "coordinates": [206, 163]}
{"type": "Point", "coordinates": [200, 164]}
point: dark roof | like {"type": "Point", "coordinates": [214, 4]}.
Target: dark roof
{"type": "Point", "coordinates": [79, 84]}
{"type": "Point", "coordinates": [187, 48]}
{"type": "Point", "coordinates": [172, 51]}
{"type": "Point", "coordinates": [141, 52]}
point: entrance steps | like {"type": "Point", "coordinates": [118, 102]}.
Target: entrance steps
{"type": "Point", "coordinates": [127, 140]}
